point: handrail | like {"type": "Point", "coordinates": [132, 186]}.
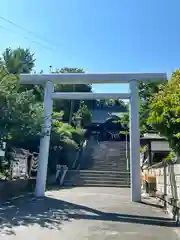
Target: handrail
{"type": "Point", "coordinates": [61, 171]}
{"type": "Point", "coordinates": [79, 152]}
{"type": "Point", "coordinates": [75, 160]}
{"type": "Point", "coordinates": [171, 201]}
{"type": "Point", "coordinates": [63, 176]}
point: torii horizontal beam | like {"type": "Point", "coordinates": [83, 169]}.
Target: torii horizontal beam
{"type": "Point", "coordinates": [89, 96]}
{"type": "Point", "coordinates": [91, 78]}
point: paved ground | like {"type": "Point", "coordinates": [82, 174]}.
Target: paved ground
{"type": "Point", "coordinates": [84, 213]}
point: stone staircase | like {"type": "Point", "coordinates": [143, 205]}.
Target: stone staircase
{"type": "Point", "coordinates": [102, 164]}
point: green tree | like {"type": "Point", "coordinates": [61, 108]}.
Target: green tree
{"type": "Point", "coordinates": [65, 134]}
{"type": "Point", "coordinates": [18, 60]}
{"type": "Point", "coordinates": [20, 114]}
{"type": "Point", "coordinates": [21, 110]}
{"type": "Point", "coordinates": [21, 118]}
{"type": "Point", "coordinates": [124, 121]}
{"type": "Point", "coordinates": [165, 111]}
{"type": "Point", "coordinates": [21, 60]}
{"type": "Point", "coordinates": [70, 106]}
{"type": "Point", "coordinates": [84, 113]}
{"type": "Point", "coordinates": [146, 93]}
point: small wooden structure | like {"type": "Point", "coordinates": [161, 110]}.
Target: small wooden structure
{"type": "Point", "coordinates": [156, 148]}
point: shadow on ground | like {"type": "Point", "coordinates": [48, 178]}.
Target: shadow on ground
{"type": "Point", "coordinates": [50, 213]}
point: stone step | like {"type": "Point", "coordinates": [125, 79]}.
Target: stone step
{"type": "Point", "coordinates": [96, 180]}
{"type": "Point", "coordinates": [80, 181]}
{"type": "Point", "coordinates": [79, 184]}
{"type": "Point", "coordinates": [104, 165]}
{"type": "Point", "coordinates": [91, 180]}
{"type": "Point", "coordinates": [105, 156]}
{"type": "Point", "coordinates": [110, 163]}
{"type": "Point", "coordinates": [90, 176]}
{"type": "Point", "coordinates": [103, 176]}
{"type": "Point", "coordinates": [97, 176]}
{"type": "Point", "coordinates": [119, 160]}
{"type": "Point", "coordinates": [112, 159]}
{"type": "Point", "coordinates": [99, 162]}
{"type": "Point", "coordinates": [96, 172]}
{"type": "Point", "coordinates": [112, 151]}
{"type": "Point", "coordinates": [108, 168]}
{"type": "Point", "coordinates": [112, 144]}
{"type": "Point", "coordinates": [109, 159]}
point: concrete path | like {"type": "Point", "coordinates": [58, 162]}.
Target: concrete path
{"type": "Point", "coordinates": [84, 213]}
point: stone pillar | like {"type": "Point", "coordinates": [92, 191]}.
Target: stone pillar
{"type": "Point", "coordinates": [135, 142]}
{"type": "Point", "coordinates": [45, 140]}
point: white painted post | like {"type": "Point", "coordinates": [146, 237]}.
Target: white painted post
{"type": "Point", "coordinates": [135, 142]}
{"type": "Point", "coordinates": [45, 140]}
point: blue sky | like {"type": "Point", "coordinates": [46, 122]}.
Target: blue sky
{"type": "Point", "coordinates": [97, 35]}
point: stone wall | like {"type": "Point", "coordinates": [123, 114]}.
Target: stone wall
{"type": "Point", "coordinates": [14, 188]}
{"type": "Point", "coordinates": [167, 180]}
{"type": "Point", "coordinates": [18, 160]}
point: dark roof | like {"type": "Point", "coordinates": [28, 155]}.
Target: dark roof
{"type": "Point", "coordinates": [150, 136]}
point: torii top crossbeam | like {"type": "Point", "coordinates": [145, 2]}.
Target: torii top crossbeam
{"type": "Point", "coordinates": [91, 78]}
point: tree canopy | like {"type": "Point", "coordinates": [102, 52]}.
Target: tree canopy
{"type": "Point", "coordinates": [21, 114]}
{"type": "Point", "coordinates": [146, 93]}
{"type": "Point", "coordinates": [18, 60]}
{"type": "Point", "coordinates": [70, 106]}
{"type": "Point", "coordinates": [164, 113]}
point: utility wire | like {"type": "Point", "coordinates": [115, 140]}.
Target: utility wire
{"type": "Point", "coordinates": [26, 30]}
{"type": "Point", "coordinates": [38, 43]}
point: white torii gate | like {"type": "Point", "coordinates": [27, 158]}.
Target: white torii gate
{"type": "Point", "coordinates": [91, 78]}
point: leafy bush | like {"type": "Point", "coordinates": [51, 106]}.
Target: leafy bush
{"type": "Point", "coordinates": [165, 111]}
